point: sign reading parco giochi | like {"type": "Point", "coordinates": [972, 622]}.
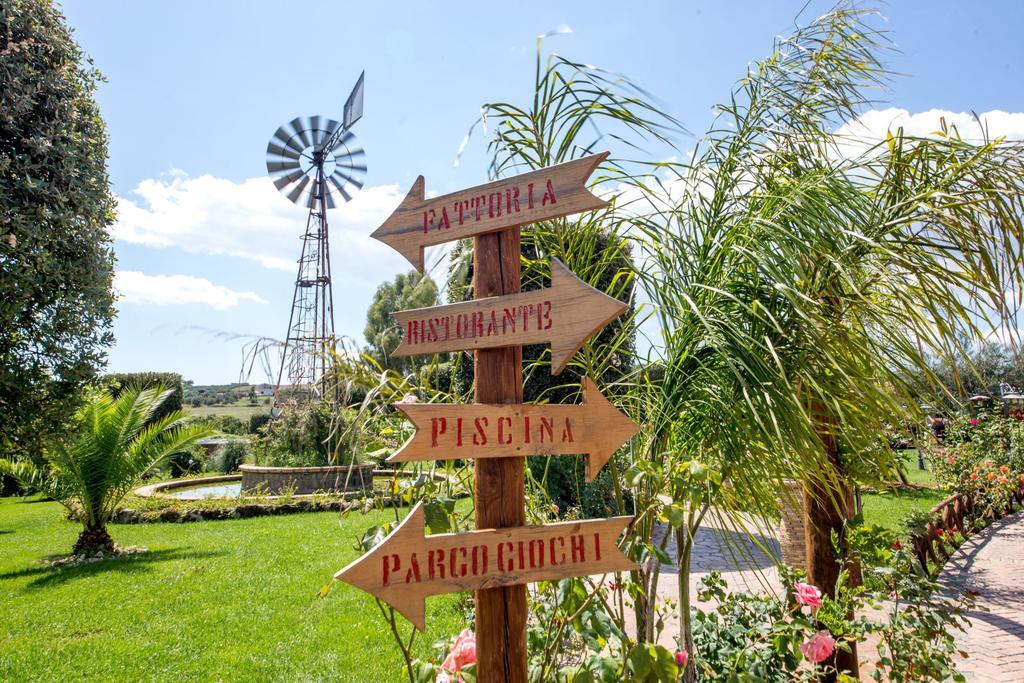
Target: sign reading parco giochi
{"type": "Point", "coordinates": [407, 566]}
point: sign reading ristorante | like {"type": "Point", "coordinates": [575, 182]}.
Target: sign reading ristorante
{"type": "Point", "coordinates": [540, 195]}
{"type": "Point", "coordinates": [566, 314]}
{"type": "Point", "coordinates": [407, 567]}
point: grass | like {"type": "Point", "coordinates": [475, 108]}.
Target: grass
{"type": "Point", "coordinates": [890, 508]}
{"type": "Point", "coordinates": [915, 475]}
{"type": "Point", "coordinates": [228, 601]}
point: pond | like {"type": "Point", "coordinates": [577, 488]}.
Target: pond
{"type": "Point", "coordinates": [221, 489]}
{"type": "Point", "coordinates": [233, 489]}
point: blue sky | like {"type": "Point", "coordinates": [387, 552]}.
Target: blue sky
{"type": "Point", "coordinates": [205, 244]}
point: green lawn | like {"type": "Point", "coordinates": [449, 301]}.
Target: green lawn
{"type": "Point", "coordinates": [890, 508]}
{"type": "Point", "coordinates": [211, 601]}
{"type": "Point", "coordinates": [240, 410]}
{"type": "Point", "coordinates": [915, 475]}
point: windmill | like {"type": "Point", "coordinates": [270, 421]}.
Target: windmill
{"type": "Point", "coordinates": [316, 163]}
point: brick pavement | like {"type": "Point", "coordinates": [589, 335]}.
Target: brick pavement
{"type": "Point", "coordinates": [992, 563]}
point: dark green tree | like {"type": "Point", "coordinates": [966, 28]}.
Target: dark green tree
{"type": "Point", "coordinates": [56, 260]}
{"type": "Point", "coordinates": [407, 290]}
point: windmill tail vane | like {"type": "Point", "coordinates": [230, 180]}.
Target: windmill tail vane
{"type": "Point", "coordinates": [317, 163]}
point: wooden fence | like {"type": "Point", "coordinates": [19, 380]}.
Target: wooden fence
{"type": "Point", "coordinates": [957, 513]}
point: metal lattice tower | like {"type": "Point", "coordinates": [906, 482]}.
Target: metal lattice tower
{"type": "Point", "coordinates": [315, 162]}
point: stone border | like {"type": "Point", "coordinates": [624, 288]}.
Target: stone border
{"type": "Point", "coordinates": [267, 505]}
{"type": "Point", "coordinates": [159, 489]}
{"type": "Point", "coordinates": [307, 480]}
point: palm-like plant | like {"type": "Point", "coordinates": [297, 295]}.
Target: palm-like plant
{"type": "Point", "coordinates": [798, 286]}
{"type": "Point", "coordinates": [117, 442]}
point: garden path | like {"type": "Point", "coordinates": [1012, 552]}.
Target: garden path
{"type": "Point", "coordinates": [738, 553]}
{"type": "Point", "coordinates": [992, 563]}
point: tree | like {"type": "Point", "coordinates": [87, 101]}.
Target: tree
{"type": "Point", "coordinates": [56, 261]}
{"type": "Point", "coordinates": [799, 285]}
{"type": "Point", "coordinates": [117, 443]}
{"type": "Point", "coordinates": [406, 291]}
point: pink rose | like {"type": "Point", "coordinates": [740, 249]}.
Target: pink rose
{"type": "Point", "coordinates": [808, 595]}
{"type": "Point", "coordinates": [682, 656]}
{"type": "Point", "coordinates": [974, 422]}
{"type": "Point", "coordinates": [818, 647]}
{"type": "Point", "coordinates": [463, 652]}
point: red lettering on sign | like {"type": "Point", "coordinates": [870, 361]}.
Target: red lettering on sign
{"type": "Point", "coordinates": [392, 563]}
{"type": "Point", "coordinates": [578, 552]}
{"type": "Point", "coordinates": [597, 547]}
{"type": "Point", "coordinates": [501, 430]}
{"type": "Point", "coordinates": [567, 431]}
{"type": "Point", "coordinates": [509, 322]}
{"type": "Point", "coordinates": [480, 438]}
{"type": "Point", "coordinates": [549, 195]}
{"type": "Point", "coordinates": [547, 425]}
{"type": "Point", "coordinates": [529, 195]}
{"type": "Point", "coordinates": [438, 426]}
{"type": "Point", "coordinates": [458, 431]}
{"type": "Point", "coordinates": [414, 570]}
{"type": "Point", "coordinates": [526, 427]}
{"type": "Point", "coordinates": [444, 223]}
{"type": "Point", "coordinates": [552, 553]}
{"type": "Point", "coordinates": [546, 315]}
{"type": "Point", "coordinates": [536, 554]}
{"type": "Point", "coordinates": [503, 565]}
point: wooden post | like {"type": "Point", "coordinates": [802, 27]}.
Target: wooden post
{"type": "Point", "coordinates": [499, 500]}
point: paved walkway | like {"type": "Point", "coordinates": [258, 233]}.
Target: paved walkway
{"type": "Point", "coordinates": [992, 563]}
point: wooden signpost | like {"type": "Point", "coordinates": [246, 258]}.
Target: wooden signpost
{"type": "Point", "coordinates": [551, 192]}
{"type": "Point", "coordinates": [407, 566]}
{"type": "Point", "coordinates": [448, 432]}
{"type": "Point", "coordinates": [567, 314]}
{"type": "Point", "coordinates": [503, 554]}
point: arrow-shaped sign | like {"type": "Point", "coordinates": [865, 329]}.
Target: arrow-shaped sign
{"type": "Point", "coordinates": [481, 430]}
{"type": "Point", "coordinates": [539, 195]}
{"type": "Point", "coordinates": [567, 314]}
{"type": "Point", "coordinates": [407, 567]}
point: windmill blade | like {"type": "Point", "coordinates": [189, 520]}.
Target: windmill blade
{"type": "Point", "coordinates": [274, 149]}
{"type": "Point", "coordinates": [354, 180]}
{"type": "Point", "coordinates": [316, 133]}
{"type": "Point", "coordinates": [285, 180]}
{"type": "Point", "coordinates": [287, 139]}
{"type": "Point", "coordinates": [300, 130]}
{"type": "Point", "coordinates": [359, 168]}
{"type": "Point", "coordinates": [329, 198]}
{"type": "Point", "coordinates": [299, 189]}
{"type": "Point", "coordinates": [281, 166]}
{"type": "Point", "coordinates": [333, 181]}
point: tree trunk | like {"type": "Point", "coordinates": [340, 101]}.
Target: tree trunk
{"type": "Point", "coordinates": [94, 539]}
{"type": "Point", "coordinates": [828, 504]}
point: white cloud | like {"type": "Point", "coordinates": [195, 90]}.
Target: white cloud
{"type": "Point", "coordinates": [871, 127]}
{"type": "Point", "coordinates": [250, 220]}
{"type": "Point", "coordinates": [134, 287]}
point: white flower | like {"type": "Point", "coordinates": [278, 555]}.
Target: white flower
{"type": "Point", "coordinates": [409, 398]}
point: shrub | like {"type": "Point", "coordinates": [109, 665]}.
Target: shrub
{"type": "Point", "coordinates": [257, 422]}
{"type": "Point", "coordinates": [230, 456]}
